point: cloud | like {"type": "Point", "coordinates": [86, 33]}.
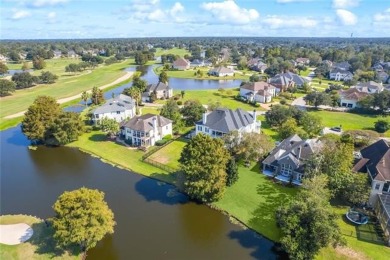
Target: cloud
{"type": "Point", "coordinates": [176, 8]}
{"type": "Point", "coordinates": [149, 11]}
{"type": "Point", "coordinates": [346, 17]}
{"type": "Point", "coordinates": [51, 15]}
{"type": "Point", "coordinates": [276, 22]}
{"type": "Point", "coordinates": [383, 16]}
{"type": "Point", "coordinates": [345, 3]}
{"type": "Point", "coordinates": [43, 3]}
{"type": "Point", "coordinates": [20, 14]}
{"type": "Point", "coordinates": [292, 1]}
{"type": "Point", "coordinates": [229, 12]}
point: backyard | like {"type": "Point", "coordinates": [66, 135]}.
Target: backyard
{"type": "Point", "coordinates": [170, 154]}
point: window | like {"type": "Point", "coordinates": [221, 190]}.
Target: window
{"type": "Point", "coordinates": [97, 116]}
{"type": "Point", "coordinates": [199, 128]}
{"type": "Point", "coordinates": [386, 187]}
{"type": "Point", "coordinates": [206, 129]}
{"type": "Point", "coordinates": [166, 127]}
{"type": "Point", "coordinates": [118, 112]}
{"type": "Point", "coordinates": [377, 186]}
{"type": "Point", "coordinates": [286, 170]}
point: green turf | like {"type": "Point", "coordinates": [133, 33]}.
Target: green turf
{"type": "Point", "coordinates": [150, 110]}
{"type": "Point", "coordinates": [170, 154]}
{"type": "Point", "coordinates": [174, 51]}
{"type": "Point", "coordinates": [39, 246]}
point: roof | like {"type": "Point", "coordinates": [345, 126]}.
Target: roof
{"type": "Point", "coordinates": [256, 86]}
{"type": "Point", "coordinates": [226, 120]}
{"type": "Point", "coordinates": [145, 122]}
{"type": "Point", "coordinates": [367, 86]}
{"type": "Point", "coordinates": [360, 165]}
{"type": "Point", "coordinates": [342, 65]}
{"type": "Point", "coordinates": [221, 70]}
{"type": "Point", "coordinates": [340, 70]}
{"type": "Point", "coordinates": [285, 78]}
{"type": "Point", "coordinates": [353, 94]}
{"type": "Point", "coordinates": [119, 103]}
{"type": "Point", "coordinates": [157, 87]}
{"type": "Point", "coordinates": [378, 155]}
{"type": "Point", "coordinates": [295, 149]}
{"type": "Point", "coordinates": [181, 62]}
{"type": "Point", "coordinates": [303, 60]}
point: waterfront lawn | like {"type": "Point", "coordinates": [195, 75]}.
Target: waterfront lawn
{"type": "Point", "coordinates": [39, 246]}
{"type": "Point", "coordinates": [8, 123]}
{"type": "Point", "coordinates": [96, 143]}
{"type": "Point", "coordinates": [170, 154]}
{"type": "Point", "coordinates": [190, 74]}
{"type": "Point", "coordinates": [174, 51]}
{"type": "Point", "coordinates": [149, 110]}
{"type": "Point", "coordinates": [67, 85]}
{"type": "Point", "coordinates": [349, 121]}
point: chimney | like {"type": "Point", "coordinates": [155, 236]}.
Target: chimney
{"type": "Point", "coordinates": [155, 125]}
{"type": "Point", "coordinates": [254, 114]}
{"type": "Point", "coordinates": [204, 118]}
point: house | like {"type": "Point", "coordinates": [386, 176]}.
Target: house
{"type": "Point", "coordinates": [383, 76]}
{"type": "Point", "coordinates": [146, 130]}
{"type": "Point", "coordinates": [287, 80]}
{"type": "Point", "coordinates": [286, 161]}
{"type": "Point", "coordinates": [161, 89]}
{"type": "Point", "coordinates": [369, 87]}
{"type": "Point", "coordinates": [302, 61]}
{"type": "Point", "coordinates": [261, 91]}
{"type": "Point", "coordinates": [57, 54]}
{"type": "Point", "coordinates": [119, 108]}
{"type": "Point", "coordinates": [375, 160]}
{"type": "Point", "coordinates": [377, 67]}
{"type": "Point", "coordinates": [72, 54]}
{"type": "Point", "coordinates": [340, 74]}
{"type": "Point", "coordinates": [221, 72]}
{"type": "Point", "coordinates": [257, 65]}
{"type": "Point", "coordinates": [181, 64]}
{"type": "Point", "coordinates": [344, 65]}
{"type": "Point", "coordinates": [382, 211]}
{"type": "Point", "coordinates": [197, 63]}
{"type": "Point", "coordinates": [349, 98]}
{"type": "Point", "coordinates": [222, 121]}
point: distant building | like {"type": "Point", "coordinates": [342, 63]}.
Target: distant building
{"type": "Point", "coordinates": [181, 64]}
{"type": "Point", "coordinates": [119, 108]}
{"type": "Point", "coordinates": [162, 90]}
{"type": "Point", "coordinates": [262, 92]}
{"type": "Point", "coordinates": [256, 64]}
{"type": "Point", "coordinates": [369, 87]}
{"type": "Point", "coordinates": [302, 61]}
{"type": "Point", "coordinates": [287, 80]}
{"type": "Point", "coordinates": [349, 98]}
{"type": "Point", "coordinates": [221, 72]}
{"type": "Point", "coordinates": [339, 74]}
{"type": "Point", "coordinates": [222, 121]}
{"type": "Point", "coordinates": [146, 130]}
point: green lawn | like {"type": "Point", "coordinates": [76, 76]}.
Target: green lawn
{"type": "Point", "coordinates": [39, 246]}
{"type": "Point", "coordinates": [174, 51]}
{"type": "Point", "coordinates": [170, 154]}
{"type": "Point", "coordinates": [97, 144]}
{"type": "Point", "coordinates": [349, 121]}
{"type": "Point", "coordinates": [150, 110]}
{"type": "Point", "coordinates": [67, 85]}
{"type": "Point", "coordinates": [190, 74]}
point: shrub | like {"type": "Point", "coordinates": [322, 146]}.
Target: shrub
{"type": "Point", "coordinates": [283, 101]}
{"type": "Point", "coordinates": [167, 137]}
{"type": "Point", "coordinates": [382, 126]}
{"type": "Point", "coordinates": [179, 102]}
{"type": "Point", "coordinates": [161, 142]}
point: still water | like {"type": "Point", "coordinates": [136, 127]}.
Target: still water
{"type": "Point", "coordinates": [153, 221]}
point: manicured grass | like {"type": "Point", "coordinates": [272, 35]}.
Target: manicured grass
{"type": "Point", "coordinates": [349, 121]}
{"type": "Point", "coordinates": [67, 85]}
{"type": "Point", "coordinates": [97, 144]}
{"type": "Point", "coordinates": [267, 129]}
{"type": "Point", "coordinates": [174, 51]}
{"type": "Point", "coordinates": [150, 110]}
{"type": "Point", "coordinates": [39, 246]}
{"type": "Point", "coordinates": [190, 74]}
{"type": "Point", "coordinates": [253, 199]}
{"type": "Point", "coordinates": [8, 123]}
{"type": "Point", "coordinates": [170, 154]}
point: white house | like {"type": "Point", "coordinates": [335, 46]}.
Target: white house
{"type": "Point", "coordinates": [369, 87]}
{"type": "Point", "coordinates": [146, 130]}
{"type": "Point", "coordinates": [339, 74]}
{"type": "Point", "coordinates": [161, 89]}
{"type": "Point", "coordinates": [221, 72]}
{"type": "Point", "coordinates": [181, 64]}
{"type": "Point", "coordinates": [262, 92]}
{"type": "Point", "coordinates": [350, 97]}
{"type": "Point", "coordinates": [120, 108]}
{"type": "Point", "coordinates": [222, 121]}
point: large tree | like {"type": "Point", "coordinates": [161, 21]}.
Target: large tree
{"type": "Point", "coordinates": [317, 99]}
{"type": "Point", "coordinates": [3, 68]}
{"type": "Point", "coordinates": [308, 222]}
{"type": "Point", "coordinates": [39, 63]}
{"type": "Point", "coordinates": [110, 126]}
{"type": "Point", "coordinates": [47, 77]}
{"type": "Point", "coordinates": [85, 96]}
{"type": "Point", "coordinates": [39, 117]}
{"type": "Point", "coordinates": [192, 111]}
{"type": "Point", "coordinates": [97, 96]}
{"type": "Point", "coordinates": [254, 146]}
{"type": "Point", "coordinates": [6, 87]}
{"type": "Point", "coordinates": [163, 77]}
{"type": "Point", "coordinates": [66, 128]}
{"type": "Point", "coordinates": [24, 80]}
{"type": "Point", "coordinates": [171, 111]}
{"type": "Point", "coordinates": [82, 218]}
{"type": "Point", "coordinates": [312, 124]}
{"type": "Point", "coordinates": [203, 161]}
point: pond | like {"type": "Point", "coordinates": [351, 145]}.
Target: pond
{"type": "Point", "coordinates": [153, 220]}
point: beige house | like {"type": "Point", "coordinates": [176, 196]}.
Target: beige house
{"type": "Point", "coordinates": [261, 91]}
{"type": "Point", "coordinates": [181, 64]}
{"type": "Point", "coordinates": [221, 72]}
{"type": "Point", "coordinates": [162, 90]}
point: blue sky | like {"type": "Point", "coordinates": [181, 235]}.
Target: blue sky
{"type": "Point", "coordinates": [48, 19]}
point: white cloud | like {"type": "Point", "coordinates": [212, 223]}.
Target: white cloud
{"type": "Point", "coordinates": [345, 3]}
{"type": "Point", "coordinates": [229, 12]}
{"type": "Point", "coordinates": [277, 21]}
{"type": "Point", "coordinates": [20, 14]}
{"type": "Point", "coordinates": [149, 10]}
{"type": "Point", "coordinates": [346, 17]}
{"type": "Point", "coordinates": [51, 15]}
{"type": "Point", "coordinates": [176, 8]}
{"type": "Point", "coordinates": [292, 1]}
{"type": "Point", "coordinates": [42, 3]}
{"type": "Point", "coordinates": [383, 16]}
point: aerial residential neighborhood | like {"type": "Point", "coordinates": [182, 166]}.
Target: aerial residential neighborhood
{"type": "Point", "coordinates": [225, 129]}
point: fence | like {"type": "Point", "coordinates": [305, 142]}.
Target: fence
{"type": "Point", "coordinates": [157, 148]}
{"type": "Point", "coordinates": [160, 165]}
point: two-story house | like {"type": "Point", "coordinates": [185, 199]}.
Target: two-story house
{"type": "Point", "coordinates": [222, 121]}
{"type": "Point", "coordinates": [181, 64]}
{"type": "Point", "coordinates": [161, 90]}
{"type": "Point", "coordinates": [287, 80]}
{"type": "Point", "coordinates": [120, 108]}
{"type": "Point", "coordinates": [260, 91]}
{"type": "Point", "coordinates": [146, 130]}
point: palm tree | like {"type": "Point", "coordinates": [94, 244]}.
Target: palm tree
{"type": "Point", "coordinates": [135, 94]}
{"type": "Point", "coordinates": [85, 96]}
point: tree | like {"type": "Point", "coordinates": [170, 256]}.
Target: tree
{"type": "Point", "coordinates": [254, 77]}
{"type": "Point", "coordinates": [47, 77]}
{"type": "Point", "coordinates": [6, 87]}
{"type": "Point", "coordinates": [317, 98]}
{"type": "Point", "coordinates": [306, 88]}
{"type": "Point", "coordinates": [39, 63]}
{"type": "Point", "coordinates": [308, 222]}
{"type": "Point", "coordinates": [278, 114]}
{"type": "Point", "coordinates": [139, 83]}
{"type": "Point", "coordinates": [182, 93]}
{"type": "Point", "coordinates": [25, 66]}
{"type": "Point", "coordinates": [24, 80]}
{"type": "Point", "coordinates": [254, 146]}
{"type": "Point", "coordinates": [211, 106]}
{"type": "Point", "coordinates": [39, 117]}
{"type": "Point", "coordinates": [163, 77]}
{"type": "Point", "coordinates": [85, 96]}
{"type": "Point", "coordinates": [134, 93]}
{"type": "Point", "coordinates": [82, 218]}
{"type": "Point", "coordinates": [232, 172]}
{"type": "Point", "coordinates": [192, 111]}
{"type": "Point", "coordinates": [357, 190]}
{"type": "Point", "coordinates": [382, 126]}
{"type": "Point", "coordinates": [3, 68]}
{"type": "Point", "coordinates": [288, 128]}
{"type": "Point", "coordinates": [203, 162]}
{"type": "Point", "coordinates": [312, 124]}
{"type": "Point", "coordinates": [110, 126]}
{"type": "Point", "coordinates": [66, 128]}
{"type": "Point", "coordinates": [97, 96]}
{"type": "Point", "coordinates": [171, 111]}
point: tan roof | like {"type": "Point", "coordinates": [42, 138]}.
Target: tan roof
{"type": "Point", "coordinates": [256, 86]}
{"type": "Point", "coordinates": [181, 62]}
{"type": "Point", "coordinates": [353, 94]}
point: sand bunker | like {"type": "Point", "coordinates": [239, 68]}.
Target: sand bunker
{"type": "Point", "coordinates": [15, 234]}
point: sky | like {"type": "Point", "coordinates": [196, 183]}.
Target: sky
{"type": "Point", "coordinates": [73, 19]}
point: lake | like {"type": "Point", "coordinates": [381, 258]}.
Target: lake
{"type": "Point", "coordinates": [153, 220]}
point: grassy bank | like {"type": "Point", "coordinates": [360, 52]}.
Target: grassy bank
{"type": "Point", "coordinates": [174, 51]}
{"type": "Point", "coordinates": [39, 246]}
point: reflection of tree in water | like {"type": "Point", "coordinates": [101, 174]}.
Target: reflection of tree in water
{"type": "Point", "coordinates": [142, 69]}
{"type": "Point", "coordinates": [201, 224]}
{"type": "Point", "coordinates": [105, 249]}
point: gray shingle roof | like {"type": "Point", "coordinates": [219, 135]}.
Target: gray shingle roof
{"type": "Point", "coordinates": [226, 120]}
{"type": "Point", "coordinates": [285, 78]}
{"type": "Point", "coordinates": [378, 155]}
{"type": "Point", "coordinates": [157, 87]}
{"type": "Point", "coordinates": [145, 122]}
{"type": "Point", "coordinates": [119, 103]}
{"type": "Point", "coordinates": [221, 70]}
